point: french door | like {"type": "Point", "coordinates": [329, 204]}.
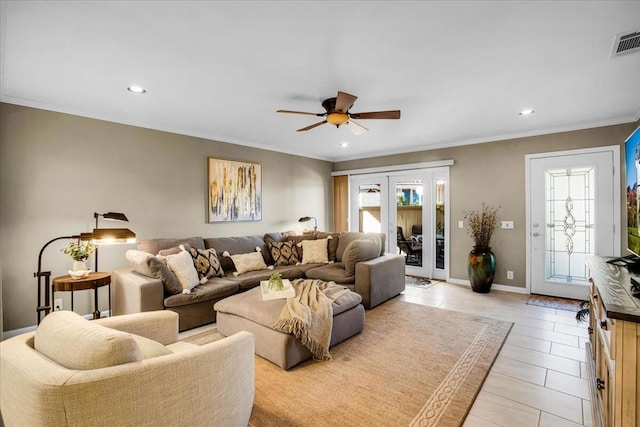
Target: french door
{"type": "Point", "coordinates": [573, 211]}
{"type": "Point", "coordinates": [410, 207]}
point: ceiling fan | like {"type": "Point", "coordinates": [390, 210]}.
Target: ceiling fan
{"type": "Point", "coordinates": [337, 113]}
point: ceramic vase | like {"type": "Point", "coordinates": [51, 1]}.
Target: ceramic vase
{"type": "Point", "coordinates": [481, 269]}
{"type": "Point", "coordinates": [78, 266]}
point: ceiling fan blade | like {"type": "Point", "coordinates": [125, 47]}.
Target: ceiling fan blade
{"type": "Point", "coordinates": [392, 114]}
{"type": "Point", "coordinates": [344, 101]}
{"type": "Point", "coordinates": [355, 128]}
{"type": "Point", "coordinates": [312, 126]}
{"type": "Point", "coordinates": [301, 112]}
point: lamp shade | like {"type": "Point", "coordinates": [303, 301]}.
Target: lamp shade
{"type": "Point", "coordinates": [110, 236]}
{"type": "Point", "coordinates": [305, 219]}
{"type": "Point", "coordinates": [115, 216]}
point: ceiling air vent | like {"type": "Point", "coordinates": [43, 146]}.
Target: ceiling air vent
{"type": "Point", "coordinates": [626, 43]}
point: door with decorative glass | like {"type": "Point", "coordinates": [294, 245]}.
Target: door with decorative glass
{"type": "Point", "coordinates": [573, 211]}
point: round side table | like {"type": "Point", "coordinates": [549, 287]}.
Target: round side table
{"type": "Point", "coordinates": [91, 281]}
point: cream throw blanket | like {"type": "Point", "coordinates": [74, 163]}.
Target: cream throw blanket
{"type": "Point", "coordinates": [309, 315]}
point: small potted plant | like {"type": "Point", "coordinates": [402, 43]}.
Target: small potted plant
{"type": "Point", "coordinates": [482, 262]}
{"type": "Point", "coordinates": [275, 282]}
{"type": "Point", "coordinates": [79, 252]}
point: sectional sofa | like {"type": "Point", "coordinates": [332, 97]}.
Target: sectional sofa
{"type": "Point", "coordinates": [356, 260]}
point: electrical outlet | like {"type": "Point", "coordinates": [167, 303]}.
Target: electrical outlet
{"type": "Point", "coordinates": [57, 304]}
{"type": "Point", "coordinates": [507, 225]}
{"type": "Point", "coordinates": [460, 224]}
{"type": "Point", "coordinates": [509, 275]}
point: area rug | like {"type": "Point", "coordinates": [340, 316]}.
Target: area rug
{"type": "Point", "coordinates": [418, 282]}
{"type": "Point", "coordinates": [412, 365]}
{"type": "Point", "coordinates": [205, 337]}
{"type": "Point", "coordinates": [554, 302]}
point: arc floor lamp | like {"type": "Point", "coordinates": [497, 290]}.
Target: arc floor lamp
{"type": "Point", "coordinates": [99, 236]}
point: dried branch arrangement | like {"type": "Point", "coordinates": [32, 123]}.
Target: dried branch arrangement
{"type": "Point", "coordinates": [481, 225]}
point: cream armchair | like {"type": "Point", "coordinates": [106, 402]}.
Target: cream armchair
{"type": "Point", "coordinates": [124, 370]}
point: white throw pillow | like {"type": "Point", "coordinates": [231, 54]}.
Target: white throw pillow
{"type": "Point", "coordinates": [314, 251]}
{"type": "Point", "coordinates": [182, 266]}
{"type": "Point", "coordinates": [248, 262]}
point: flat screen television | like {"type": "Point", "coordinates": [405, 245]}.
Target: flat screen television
{"type": "Point", "coordinates": [632, 163]}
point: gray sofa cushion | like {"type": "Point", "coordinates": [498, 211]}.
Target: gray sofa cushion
{"type": "Point", "coordinates": [153, 246]}
{"type": "Point", "coordinates": [235, 246]}
{"type": "Point", "coordinates": [347, 237]}
{"type": "Point", "coordinates": [358, 251]}
{"type": "Point", "coordinates": [251, 279]}
{"type": "Point", "coordinates": [215, 288]}
{"type": "Point", "coordinates": [332, 273]}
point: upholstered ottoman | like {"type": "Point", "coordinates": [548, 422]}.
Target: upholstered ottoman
{"type": "Point", "coordinates": [248, 312]}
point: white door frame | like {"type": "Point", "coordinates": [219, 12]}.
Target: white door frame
{"type": "Point", "coordinates": [615, 150]}
{"type": "Point", "coordinates": [428, 175]}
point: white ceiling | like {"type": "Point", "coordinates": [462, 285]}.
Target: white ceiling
{"type": "Point", "coordinates": [459, 71]}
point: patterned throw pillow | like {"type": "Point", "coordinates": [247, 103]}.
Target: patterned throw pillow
{"type": "Point", "coordinates": [207, 263]}
{"type": "Point", "coordinates": [284, 253]}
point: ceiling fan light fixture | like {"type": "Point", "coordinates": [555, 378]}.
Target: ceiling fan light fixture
{"type": "Point", "coordinates": [337, 118]}
{"type": "Point", "coordinates": [526, 112]}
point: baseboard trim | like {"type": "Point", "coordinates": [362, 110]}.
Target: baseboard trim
{"type": "Point", "coordinates": [495, 286]}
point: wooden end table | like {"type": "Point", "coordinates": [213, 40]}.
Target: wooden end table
{"type": "Point", "coordinates": [91, 281]}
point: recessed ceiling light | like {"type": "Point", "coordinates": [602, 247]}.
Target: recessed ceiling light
{"type": "Point", "coordinates": [344, 144]}
{"type": "Point", "coordinates": [526, 112]}
{"type": "Point", "coordinates": [136, 89]}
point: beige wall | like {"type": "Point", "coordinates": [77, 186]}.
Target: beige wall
{"type": "Point", "coordinates": [57, 169]}
{"type": "Point", "coordinates": [494, 173]}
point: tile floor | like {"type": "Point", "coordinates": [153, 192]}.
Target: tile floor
{"type": "Point", "coordinates": [539, 379]}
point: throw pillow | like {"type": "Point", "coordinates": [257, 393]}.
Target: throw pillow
{"type": "Point", "coordinates": [334, 238]}
{"type": "Point", "coordinates": [314, 251]}
{"type": "Point", "coordinates": [298, 239]}
{"type": "Point", "coordinates": [207, 263]}
{"type": "Point", "coordinates": [174, 250]}
{"type": "Point", "coordinates": [76, 343]}
{"type": "Point", "coordinates": [247, 262]}
{"type": "Point", "coordinates": [358, 251]}
{"type": "Point", "coordinates": [182, 266]}
{"type": "Point", "coordinates": [284, 253]}
{"type": "Point", "coordinates": [154, 267]}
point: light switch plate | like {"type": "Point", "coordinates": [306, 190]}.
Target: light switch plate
{"type": "Point", "coordinates": [507, 225]}
{"type": "Point", "coordinates": [460, 224]}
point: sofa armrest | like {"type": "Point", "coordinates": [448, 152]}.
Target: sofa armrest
{"type": "Point", "coordinates": [380, 278]}
{"type": "Point", "coordinates": [161, 326]}
{"type": "Point", "coordinates": [134, 293]}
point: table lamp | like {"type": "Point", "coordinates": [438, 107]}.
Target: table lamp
{"type": "Point", "coordinates": [111, 236]}
{"type": "Point", "coordinates": [309, 218]}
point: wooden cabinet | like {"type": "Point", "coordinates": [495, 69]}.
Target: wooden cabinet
{"type": "Point", "coordinates": [613, 357]}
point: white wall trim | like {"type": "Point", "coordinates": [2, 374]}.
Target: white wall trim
{"type": "Point", "coordinates": [395, 168]}
{"type": "Point", "coordinates": [495, 286]}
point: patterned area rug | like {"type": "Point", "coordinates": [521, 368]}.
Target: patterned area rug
{"type": "Point", "coordinates": [412, 365]}
{"type": "Point", "coordinates": [554, 302]}
{"type": "Point", "coordinates": [418, 282]}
